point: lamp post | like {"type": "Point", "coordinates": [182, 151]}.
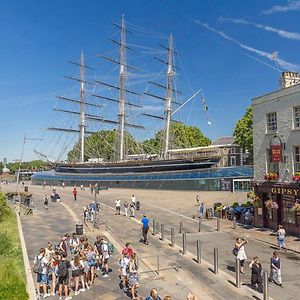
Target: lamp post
{"type": "Point", "coordinates": [21, 159]}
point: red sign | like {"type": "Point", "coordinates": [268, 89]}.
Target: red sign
{"type": "Point", "coordinates": [276, 153]}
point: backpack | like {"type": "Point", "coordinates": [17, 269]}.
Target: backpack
{"type": "Point", "coordinates": [62, 269]}
{"type": "Point", "coordinates": [111, 248]}
{"type": "Point", "coordinates": [38, 266]}
{"type": "Point", "coordinates": [235, 251]}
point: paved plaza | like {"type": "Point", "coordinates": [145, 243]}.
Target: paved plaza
{"type": "Point", "coordinates": [179, 273]}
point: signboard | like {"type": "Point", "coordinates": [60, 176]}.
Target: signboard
{"type": "Point", "coordinates": [276, 153]}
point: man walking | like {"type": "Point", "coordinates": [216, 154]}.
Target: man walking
{"type": "Point", "coordinates": [145, 229]}
{"type": "Point", "coordinates": [75, 193]}
{"type": "Point", "coordinates": [126, 208]}
{"type": "Point", "coordinates": [275, 274]}
{"type": "Point", "coordinates": [281, 237]}
{"type": "Point", "coordinates": [202, 211]}
{"type": "Point", "coordinates": [118, 206]}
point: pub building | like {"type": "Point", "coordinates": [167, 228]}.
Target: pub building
{"type": "Point", "coordinates": [276, 155]}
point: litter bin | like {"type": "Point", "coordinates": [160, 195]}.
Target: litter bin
{"type": "Point", "coordinates": [79, 228]}
{"type": "Point", "coordinates": [26, 189]}
{"type": "Point", "coordinates": [138, 205]}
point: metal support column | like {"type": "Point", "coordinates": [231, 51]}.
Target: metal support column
{"type": "Point", "coordinates": [184, 243]}
{"type": "Point", "coordinates": [199, 252]}
{"type": "Point", "coordinates": [266, 286]}
{"type": "Point", "coordinates": [218, 224]}
{"type": "Point", "coordinates": [162, 232]}
{"type": "Point", "coordinates": [237, 273]}
{"type": "Point", "coordinates": [172, 237]}
{"type": "Point", "coordinates": [216, 261]}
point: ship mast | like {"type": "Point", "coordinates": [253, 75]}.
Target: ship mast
{"type": "Point", "coordinates": [121, 114]}
{"type": "Point", "coordinates": [82, 109]}
{"type": "Point", "coordinates": [168, 99]}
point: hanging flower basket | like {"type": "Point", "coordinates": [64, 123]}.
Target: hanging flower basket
{"type": "Point", "coordinates": [271, 204]}
{"type": "Point", "coordinates": [296, 207]}
{"type": "Point", "coordinates": [296, 177]}
{"type": "Point", "coordinates": [257, 202]}
{"type": "Point", "coordinates": [271, 176]}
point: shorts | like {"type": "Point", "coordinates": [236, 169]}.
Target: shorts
{"type": "Point", "coordinates": [42, 278]}
{"type": "Point", "coordinates": [242, 261]}
{"type": "Point", "coordinates": [76, 273]}
{"type": "Point", "coordinates": [105, 261]}
{"type": "Point", "coordinates": [64, 280]}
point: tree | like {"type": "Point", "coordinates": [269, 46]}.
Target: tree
{"type": "Point", "coordinates": [182, 136]}
{"type": "Point", "coordinates": [243, 131]}
{"type": "Point", "coordinates": [102, 145]}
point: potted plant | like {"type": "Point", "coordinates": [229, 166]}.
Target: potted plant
{"type": "Point", "coordinates": [296, 177]}
{"type": "Point", "coordinates": [271, 204]}
{"type": "Point", "coordinates": [257, 202]}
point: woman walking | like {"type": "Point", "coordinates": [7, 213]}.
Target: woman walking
{"type": "Point", "coordinates": [275, 274]}
{"type": "Point", "coordinates": [77, 267]}
{"type": "Point", "coordinates": [256, 274]}
{"type": "Point", "coordinates": [241, 254]}
{"type": "Point", "coordinates": [133, 276]}
{"type": "Point", "coordinates": [281, 237]}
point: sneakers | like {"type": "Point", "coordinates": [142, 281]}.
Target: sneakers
{"type": "Point", "coordinates": [82, 290]}
{"type": "Point", "coordinates": [68, 298]}
{"type": "Point", "coordinates": [46, 296]}
{"type": "Point", "coordinates": [52, 294]}
{"type": "Point", "coordinates": [60, 297]}
{"type": "Point", "coordinates": [76, 293]}
{"type": "Point", "coordinates": [105, 275]}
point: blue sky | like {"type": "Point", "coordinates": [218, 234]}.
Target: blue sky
{"type": "Point", "coordinates": [225, 48]}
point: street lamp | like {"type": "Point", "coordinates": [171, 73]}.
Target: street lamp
{"type": "Point", "coordinates": [23, 146]}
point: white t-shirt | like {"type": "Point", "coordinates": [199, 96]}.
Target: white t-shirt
{"type": "Point", "coordinates": [44, 263]}
{"type": "Point", "coordinates": [104, 248]}
{"type": "Point", "coordinates": [118, 203]}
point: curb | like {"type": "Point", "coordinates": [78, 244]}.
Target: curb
{"type": "Point", "coordinates": [29, 278]}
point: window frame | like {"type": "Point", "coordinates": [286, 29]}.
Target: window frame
{"type": "Point", "coordinates": [271, 122]}
{"type": "Point", "coordinates": [296, 119]}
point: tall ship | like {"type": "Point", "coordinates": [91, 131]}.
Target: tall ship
{"type": "Point", "coordinates": [129, 163]}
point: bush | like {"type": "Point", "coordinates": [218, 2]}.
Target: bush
{"type": "Point", "coordinates": [235, 204]}
{"type": "Point", "coordinates": [4, 208]}
{"type": "Point", "coordinates": [6, 244]}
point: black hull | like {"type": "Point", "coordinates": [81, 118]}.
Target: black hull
{"type": "Point", "coordinates": [137, 167]}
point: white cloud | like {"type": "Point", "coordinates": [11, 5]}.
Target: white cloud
{"type": "Point", "coordinates": [282, 63]}
{"type": "Point", "coordinates": [280, 32]}
{"type": "Point", "coordinates": [290, 6]}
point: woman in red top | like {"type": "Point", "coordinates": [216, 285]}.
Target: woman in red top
{"type": "Point", "coordinates": [75, 193]}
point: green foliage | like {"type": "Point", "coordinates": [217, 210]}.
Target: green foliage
{"type": "Point", "coordinates": [101, 144]}
{"type": "Point", "coordinates": [182, 136]}
{"type": "Point", "coordinates": [235, 204]}
{"type": "Point", "coordinates": [30, 165]}
{"type": "Point", "coordinates": [5, 244]}
{"type": "Point", "coordinates": [12, 275]}
{"type": "Point", "coordinates": [243, 131]}
{"type": "Point", "coordinates": [4, 208]}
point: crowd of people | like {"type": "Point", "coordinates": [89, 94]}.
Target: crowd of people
{"type": "Point", "coordinates": [255, 265]}
{"type": "Point", "coordinates": [57, 274]}
{"type": "Point", "coordinates": [129, 208]}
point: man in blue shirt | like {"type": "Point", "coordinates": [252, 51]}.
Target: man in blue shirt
{"type": "Point", "coordinates": [145, 228]}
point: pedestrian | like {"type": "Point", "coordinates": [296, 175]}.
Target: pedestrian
{"type": "Point", "coordinates": [46, 202]}
{"type": "Point", "coordinates": [133, 200]}
{"type": "Point", "coordinates": [63, 185]}
{"type": "Point", "coordinates": [145, 229]}
{"type": "Point", "coordinates": [63, 276]}
{"type": "Point", "coordinates": [190, 296]}
{"type": "Point", "coordinates": [202, 211]}
{"type": "Point", "coordinates": [153, 295]}
{"type": "Point", "coordinates": [105, 257]}
{"type": "Point", "coordinates": [198, 199]}
{"type": "Point", "coordinates": [256, 274]}
{"type": "Point", "coordinates": [128, 251]}
{"type": "Point", "coordinates": [77, 267]}
{"type": "Point", "coordinates": [275, 273]}
{"type": "Point", "coordinates": [132, 208]}
{"type": "Point", "coordinates": [75, 193]}
{"type": "Point", "coordinates": [53, 271]}
{"type": "Point", "coordinates": [73, 243]}
{"type": "Point", "coordinates": [118, 206]}
{"type": "Point", "coordinates": [63, 244]}
{"type": "Point", "coordinates": [49, 252]}
{"type": "Point", "coordinates": [91, 259]}
{"type": "Point", "coordinates": [40, 267]}
{"type": "Point", "coordinates": [133, 276]}
{"type": "Point", "coordinates": [241, 254]}
{"type": "Point", "coordinates": [281, 237]}
{"type": "Point", "coordinates": [98, 251]}
{"type": "Point", "coordinates": [126, 208]}
{"type": "Point", "coordinates": [81, 186]}
{"type": "Point", "coordinates": [124, 262]}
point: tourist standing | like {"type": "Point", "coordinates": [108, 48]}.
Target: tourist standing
{"type": "Point", "coordinates": [40, 267]}
{"type": "Point", "coordinates": [133, 200]}
{"type": "Point", "coordinates": [127, 251]}
{"type": "Point", "coordinates": [145, 229]}
{"type": "Point", "coordinates": [63, 276]}
{"type": "Point", "coordinates": [133, 276]}
{"type": "Point", "coordinates": [77, 267]}
{"type": "Point", "coordinates": [126, 208]}
{"type": "Point", "coordinates": [241, 254]}
{"type": "Point", "coordinates": [275, 274]}
{"type": "Point", "coordinates": [46, 202]}
{"type": "Point", "coordinates": [63, 245]}
{"type": "Point", "coordinates": [153, 295]}
{"type": "Point", "coordinates": [118, 206]}
{"type": "Point", "coordinates": [105, 257]}
{"type": "Point", "coordinates": [73, 243]}
{"type": "Point", "coordinates": [75, 193]}
{"type": "Point", "coordinates": [53, 271]}
{"type": "Point", "coordinates": [202, 211]}
{"type": "Point", "coordinates": [256, 274]}
{"type": "Point", "coordinates": [132, 208]}
{"type": "Point", "coordinates": [281, 237]}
